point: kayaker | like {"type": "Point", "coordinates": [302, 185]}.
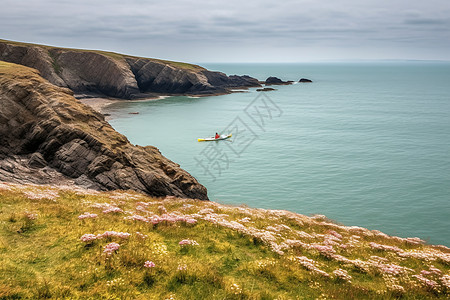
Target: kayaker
{"type": "Point", "coordinates": [217, 136]}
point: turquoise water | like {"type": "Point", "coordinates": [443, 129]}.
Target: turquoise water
{"type": "Point", "coordinates": [366, 144]}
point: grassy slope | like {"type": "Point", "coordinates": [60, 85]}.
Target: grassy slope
{"type": "Point", "coordinates": [41, 254]}
{"type": "Point", "coordinates": [113, 55]}
{"type": "Point", "coordinates": [9, 69]}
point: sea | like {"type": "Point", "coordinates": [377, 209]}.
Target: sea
{"type": "Point", "coordinates": [365, 144]}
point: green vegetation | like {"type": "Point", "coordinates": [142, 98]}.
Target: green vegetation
{"type": "Point", "coordinates": [56, 66]}
{"type": "Point", "coordinates": [73, 243]}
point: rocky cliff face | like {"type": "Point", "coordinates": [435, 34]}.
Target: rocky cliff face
{"type": "Point", "coordinates": [117, 75]}
{"type": "Point", "coordinates": [46, 134]}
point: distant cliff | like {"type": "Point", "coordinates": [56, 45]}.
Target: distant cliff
{"type": "Point", "coordinates": [47, 136]}
{"type": "Point", "coordinates": [117, 75]}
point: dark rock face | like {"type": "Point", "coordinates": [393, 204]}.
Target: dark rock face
{"type": "Point", "coordinates": [305, 80]}
{"type": "Point", "coordinates": [47, 136]}
{"type": "Point", "coordinates": [118, 75]}
{"type": "Point", "coordinates": [93, 72]}
{"type": "Point", "coordinates": [276, 81]}
{"type": "Point", "coordinates": [266, 89]}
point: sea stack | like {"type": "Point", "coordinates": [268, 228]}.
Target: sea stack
{"type": "Point", "coordinates": [276, 81]}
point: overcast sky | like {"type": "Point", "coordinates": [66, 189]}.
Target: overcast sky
{"type": "Point", "coordinates": [237, 30]}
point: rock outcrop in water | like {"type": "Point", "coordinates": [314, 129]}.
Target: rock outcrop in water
{"type": "Point", "coordinates": [276, 81]}
{"type": "Point", "coordinates": [119, 76]}
{"type": "Point", "coordinates": [305, 80]}
{"type": "Point", "coordinates": [266, 89]}
{"type": "Point", "coordinates": [48, 136]}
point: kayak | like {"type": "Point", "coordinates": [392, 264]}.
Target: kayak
{"type": "Point", "coordinates": [222, 137]}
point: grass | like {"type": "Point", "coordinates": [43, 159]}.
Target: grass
{"type": "Point", "coordinates": [7, 69]}
{"type": "Point", "coordinates": [113, 55]}
{"type": "Point", "coordinates": [242, 253]}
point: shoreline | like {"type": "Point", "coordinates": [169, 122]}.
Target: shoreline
{"type": "Point", "coordinates": [99, 104]}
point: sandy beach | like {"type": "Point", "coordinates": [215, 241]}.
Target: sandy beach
{"type": "Point", "coordinates": [98, 104]}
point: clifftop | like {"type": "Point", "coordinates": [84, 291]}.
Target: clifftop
{"type": "Point", "coordinates": [117, 75]}
{"type": "Point", "coordinates": [46, 136]}
{"type": "Point", "coordinates": [125, 245]}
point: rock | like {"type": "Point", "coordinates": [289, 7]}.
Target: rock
{"type": "Point", "coordinates": [305, 80]}
{"type": "Point", "coordinates": [47, 136]}
{"type": "Point", "coordinates": [276, 81]}
{"type": "Point", "coordinates": [266, 89]}
{"type": "Point", "coordinates": [93, 73]}
{"type": "Point", "coordinates": [37, 161]}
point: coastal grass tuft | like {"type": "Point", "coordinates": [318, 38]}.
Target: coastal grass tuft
{"type": "Point", "coordinates": [68, 242]}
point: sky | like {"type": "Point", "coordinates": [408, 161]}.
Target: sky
{"type": "Point", "coordinates": [237, 30]}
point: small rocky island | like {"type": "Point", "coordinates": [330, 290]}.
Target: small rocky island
{"type": "Point", "coordinates": [276, 81]}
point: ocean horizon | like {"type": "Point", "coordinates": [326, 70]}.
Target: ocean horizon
{"type": "Point", "coordinates": [366, 144]}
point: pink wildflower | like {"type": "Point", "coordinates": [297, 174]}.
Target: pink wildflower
{"type": "Point", "coordinates": [121, 235]}
{"type": "Point", "coordinates": [30, 216]}
{"type": "Point", "coordinates": [384, 247]}
{"type": "Point", "coordinates": [88, 237]}
{"type": "Point", "coordinates": [335, 234]}
{"type": "Point", "coordinates": [188, 242]}
{"type": "Point", "coordinates": [136, 218]}
{"type": "Point", "coordinates": [310, 265]}
{"type": "Point", "coordinates": [149, 264]}
{"type": "Point", "coordinates": [162, 210]}
{"type": "Point", "coordinates": [392, 269]}
{"type": "Point", "coordinates": [111, 248]}
{"type": "Point", "coordinates": [446, 281]}
{"type": "Point", "coordinates": [414, 241]}
{"type": "Point", "coordinates": [342, 274]}
{"type": "Point", "coordinates": [324, 250]}
{"type": "Point", "coordinates": [191, 221]}
{"type": "Point", "coordinates": [43, 194]}
{"type": "Point", "coordinates": [141, 208]}
{"type": "Point", "coordinates": [435, 270]}
{"type": "Point", "coordinates": [141, 235]}
{"type": "Point", "coordinates": [112, 209]}
{"type": "Point", "coordinates": [426, 282]}
{"type": "Point", "coordinates": [87, 215]}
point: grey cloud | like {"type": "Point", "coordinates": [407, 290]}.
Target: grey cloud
{"type": "Point", "coordinates": [422, 22]}
{"type": "Point", "coordinates": [234, 30]}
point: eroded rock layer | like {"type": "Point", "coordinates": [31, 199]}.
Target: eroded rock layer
{"type": "Point", "coordinates": [117, 75]}
{"type": "Point", "coordinates": [47, 135]}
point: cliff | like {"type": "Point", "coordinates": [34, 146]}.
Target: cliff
{"type": "Point", "coordinates": [46, 136]}
{"type": "Point", "coordinates": [124, 245]}
{"type": "Point", "coordinates": [117, 75]}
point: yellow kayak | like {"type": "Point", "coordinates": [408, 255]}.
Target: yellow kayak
{"type": "Point", "coordinates": [222, 137]}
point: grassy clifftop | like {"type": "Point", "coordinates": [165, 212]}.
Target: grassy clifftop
{"type": "Point", "coordinates": [116, 75]}
{"type": "Point", "coordinates": [114, 55]}
{"type": "Point", "coordinates": [58, 242]}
